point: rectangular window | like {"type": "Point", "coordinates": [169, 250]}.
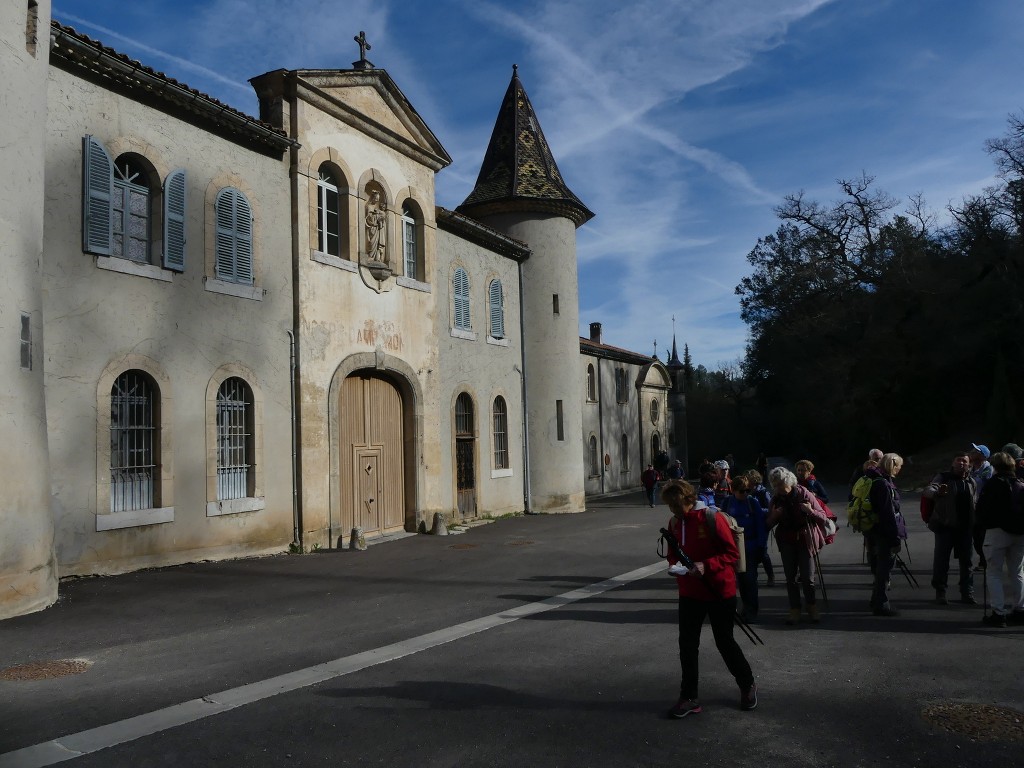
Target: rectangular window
{"type": "Point", "coordinates": [558, 420]}
{"type": "Point", "coordinates": [554, 303]}
{"type": "Point", "coordinates": [26, 342]}
{"type": "Point", "coordinates": [409, 248]}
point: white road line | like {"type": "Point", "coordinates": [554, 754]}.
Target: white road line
{"type": "Point", "coordinates": [93, 740]}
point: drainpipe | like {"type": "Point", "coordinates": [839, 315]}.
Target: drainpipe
{"type": "Point", "coordinates": [527, 492]}
{"type": "Point", "coordinates": [296, 533]}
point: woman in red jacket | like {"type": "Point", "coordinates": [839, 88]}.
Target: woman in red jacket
{"type": "Point", "coordinates": [708, 589]}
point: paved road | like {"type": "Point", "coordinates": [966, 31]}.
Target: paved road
{"type": "Point", "coordinates": [507, 645]}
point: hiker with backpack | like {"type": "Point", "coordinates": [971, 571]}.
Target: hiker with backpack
{"type": "Point", "coordinates": [748, 512]}
{"type": "Point", "coordinates": [764, 498]}
{"type": "Point", "coordinates": [1001, 514]}
{"type": "Point", "coordinates": [799, 525]}
{"type": "Point", "coordinates": [886, 535]}
{"type": "Point", "coordinates": [947, 506]}
{"type": "Point", "coordinates": [707, 590]}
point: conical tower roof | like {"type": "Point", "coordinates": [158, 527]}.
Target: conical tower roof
{"type": "Point", "coordinates": [519, 172]}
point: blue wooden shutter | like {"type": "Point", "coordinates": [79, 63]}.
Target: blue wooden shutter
{"type": "Point", "coordinates": [460, 284]}
{"type": "Point", "coordinates": [497, 310]}
{"type": "Point", "coordinates": [174, 221]}
{"type": "Point", "coordinates": [243, 239]}
{"type": "Point", "coordinates": [97, 181]}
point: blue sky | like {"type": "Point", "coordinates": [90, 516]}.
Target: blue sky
{"type": "Point", "coordinates": [681, 124]}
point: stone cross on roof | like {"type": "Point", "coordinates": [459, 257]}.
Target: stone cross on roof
{"type": "Point", "coordinates": [363, 63]}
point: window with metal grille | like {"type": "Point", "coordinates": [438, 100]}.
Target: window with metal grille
{"type": "Point", "coordinates": [26, 342]}
{"type": "Point", "coordinates": [133, 442]}
{"type": "Point", "coordinates": [130, 210]}
{"type": "Point", "coordinates": [234, 225]}
{"type": "Point", "coordinates": [234, 440]}
{"type": "Point", "coordinates": [591, 384]}
{"type": "Point", "coordinates": [595, 465]}
{"type": "Point", "coordinates": [624, 457]}
{"type": "Point", "coordinates": [496, 299]}
{"type": "Point", "coordinates": [328, 212]}
{"type": "Point", "coordinates": [410, 248]}
{"type": "Point", "coordinates": [500, 433]}
{"type": "Point", "coordinates": [460, 291]}
{"type": "Point", "coordinates": [464, 416]}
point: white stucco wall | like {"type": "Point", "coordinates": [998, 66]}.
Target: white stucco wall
{"type": "Point", "coordinates": [101, 322]}
{"type": "Point", "coordinates": [28, 574]}
{"type": "Point", "coordinates": [484, 368]}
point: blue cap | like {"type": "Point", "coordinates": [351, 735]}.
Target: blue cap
{"type": "Point", "coordinates": [982, 449]}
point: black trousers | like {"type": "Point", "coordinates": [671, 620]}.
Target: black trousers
{"type": "Point", "coordinates": [691, 620]}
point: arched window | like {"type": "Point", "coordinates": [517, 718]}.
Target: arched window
{"type": "Point", "coordinates": [655, 445]}
{"type": "Point", "coordinates": [595, 465]}
{"type": "Point", "coordinates": [130, 210]}
{"type": "Point", "coordinates": [500, 433]}
{"type": "Point", "coordinates": [464, 416]}
{"type": "Point", "coordinates": [234, 440]}
{"type": "Point", "coordinates": [496, 299]}
{"type": "Point", "coordinates": [234, 237]}
{"type": "Point", "coordinates": [410, 243]}
{"type": "Point", "coordinates": [460, 292]}
{"type": "Point", "coordinates": [624, 454]}
{"type": "Point", "coordinates": [591, 384]}
{"type": "Point", "coordinates": [621, 394]}
{"type": "Point", "coordinates": [328, 212]}
{"type": "Point", "coordinates": [134, 442]}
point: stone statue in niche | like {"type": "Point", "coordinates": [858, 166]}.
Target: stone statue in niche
{"type": "Point", "coordinates": [376, 234]}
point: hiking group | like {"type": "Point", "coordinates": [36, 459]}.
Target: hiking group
{"type": "Point", "coordinates": [719, 531]}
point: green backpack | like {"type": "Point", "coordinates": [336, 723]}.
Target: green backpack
{"type": "Point", "coordinates": [858, 512]}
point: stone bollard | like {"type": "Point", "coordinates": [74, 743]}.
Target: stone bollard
{"type": "Point", "coordinates": [357, 540]}
{"type": "Point", "coordinates": [440, 527]}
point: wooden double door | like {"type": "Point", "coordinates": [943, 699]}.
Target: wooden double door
{"type": "Point", "coordinates": [371, 454]}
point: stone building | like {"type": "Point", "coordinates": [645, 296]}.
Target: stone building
{"type": "Point", "coordinates": [238, 334]}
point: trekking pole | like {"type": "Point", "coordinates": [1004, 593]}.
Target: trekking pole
{"type": "Point", "coordinates": [682, 557]}
{"type": "Point", "coordinates": [817, 568]}
{"type": "Point", "coordinates": [911, 579]}
{"type": "Point", "coordinates": [907, 546]}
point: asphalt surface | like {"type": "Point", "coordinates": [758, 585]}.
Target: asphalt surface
{"type": "Point", "coordinates": [581, 683]}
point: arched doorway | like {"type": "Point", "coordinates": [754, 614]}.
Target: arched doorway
{"type": "Point", "coordinates": [465, 455]}
{"type": "Point", "coordinates": [371, 456]}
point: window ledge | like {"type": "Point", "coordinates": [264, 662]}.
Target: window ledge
{"type": "Point", "coordinates": [497, 342]}
{"type": "Point", "coordinates": [235, 506]}
{"type": "Point", "coordinates": [333, 261]}
{"type": "Point", "coordinates": [409, 282]}
{"type": "Point", "coordinates": [501, 472]}
{"type": "Point", "coordinates": [462, 333]}
{"type": "Point", "coordinates": [253, 292]}
{"type": "Point", "coordinates": [134, 518]}
{"type": "Point", "coordinates": [128, 267]}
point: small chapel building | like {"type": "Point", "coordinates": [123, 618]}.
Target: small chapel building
{"type": "Point", "coordinates": [241, 333]}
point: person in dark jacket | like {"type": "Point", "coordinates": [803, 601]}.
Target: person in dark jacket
{"type": "Point", "coordinates": [749, 513]}
{"type": "Point", "coordinates": [804, 470]}
{"type": "Point", "coordinates": [764, 498]}
{"type": "Point", "coordinates": [886, 536]}
{"type": "Point", "coordinates": [952, 520]}
{"type": "Point", "coordinates": [1001, 514]}
{"type": "Point", "coordinates": [649, 480]}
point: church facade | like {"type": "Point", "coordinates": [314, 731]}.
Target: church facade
{"type": "Point", "coordinates": [239, 333]}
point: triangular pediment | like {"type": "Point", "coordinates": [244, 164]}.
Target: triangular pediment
{"type": "Point", "coordinates": [370, 101]}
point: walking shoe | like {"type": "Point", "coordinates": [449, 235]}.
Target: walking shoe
{"type": "Point", "coordinates": [994, 619]}
{"type": "Point", "coordinates": [940, 597]}
{"type": "Point", "coordinates": [793, 617]}
{"type": "Point", "coordinates": [685, 707]}
{"type": "Point", "coordinates": [814, 613]}
{"type": "Point", "coordinates": [748, 697]}
{"type": "Point", "coordinates": [885, 610]}
{"type": "Point", "coordinates": [967, 598]}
